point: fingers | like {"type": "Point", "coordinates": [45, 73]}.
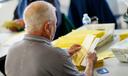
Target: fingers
{"type": "Point", "coordinates": [74, 48]}
{"type": "Point", "coordinates": [77, 45]}
{"type": "Point", "coordinates": [91, 53]}
{"type": "Point", "coordinates": [77, 48]}
{"type": "Point", "coordinates": [91, 56]}
{"type": "Point", "coordinates": [20, 22]}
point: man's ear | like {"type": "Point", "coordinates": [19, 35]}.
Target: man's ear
{"type": "Point", "coordinates": [47, 28]}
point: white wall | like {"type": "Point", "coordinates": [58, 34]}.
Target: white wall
{"type": "Point", "coordinates": [6, 10]}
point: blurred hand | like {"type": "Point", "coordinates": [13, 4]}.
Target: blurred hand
{"type": "Point", "coordinates": [73, 49]}
{"type": "Point", "coordinates": [14, 25]}
{"type": "Point", "coordinates": [91, 57]}
{"type": "Point", "coordinates": [20, 22]}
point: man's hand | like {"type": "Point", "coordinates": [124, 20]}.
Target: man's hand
{"type": "Point", "coordinates": [20, 22]}
{"type": "Point", "coordinates": [91, 60]}
{"type": "Point", "coordinates": [91, 57]}
{"type": "Point", "coordinates": [14, 25]}
{"type": "Point", "coordinates": [73, 49]}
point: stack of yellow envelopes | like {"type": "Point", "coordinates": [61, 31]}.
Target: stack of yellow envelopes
{"type": "Point", "coordinates": [77, 37]}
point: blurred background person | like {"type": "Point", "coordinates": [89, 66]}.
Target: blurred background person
{"type": "Point", "coordinates": [98, 8]}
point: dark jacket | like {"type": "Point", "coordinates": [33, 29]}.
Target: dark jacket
{"type": "Point", "coordinates": [97, 8]}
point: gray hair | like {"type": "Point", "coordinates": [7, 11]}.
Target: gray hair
{"type": "Point", "coordinates": [36, 14]}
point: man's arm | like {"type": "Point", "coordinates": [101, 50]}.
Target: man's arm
{"type": "Point", "coordinates": [89, 69]}
{"type": "Point", "coordinates": [91, 59]}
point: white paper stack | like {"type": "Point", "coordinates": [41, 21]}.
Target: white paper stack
{"type": "Point", "coordinates": [108, 28]}
{"type": "Point", "coordinates": [120, 50]}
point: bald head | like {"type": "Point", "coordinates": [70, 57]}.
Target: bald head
{"type": "Point", "coordinates": [37, 13]}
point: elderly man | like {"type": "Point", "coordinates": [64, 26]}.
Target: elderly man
{"type": "Point", "coordinates": [34, 55]}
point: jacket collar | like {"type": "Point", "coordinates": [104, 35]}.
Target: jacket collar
{"type": "Point", "coordinates": [37, 38]}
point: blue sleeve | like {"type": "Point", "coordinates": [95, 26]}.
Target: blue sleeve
{"type": "Point", "coordinates": [21, 6]}
{"type": "Point", "coordinates": [99, 8]}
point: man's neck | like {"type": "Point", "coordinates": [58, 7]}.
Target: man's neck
{"type": "Point", "coordinates": [39, 34]}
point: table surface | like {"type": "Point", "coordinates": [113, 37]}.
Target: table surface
{"type": "Point", "coordinates": [114, 67]}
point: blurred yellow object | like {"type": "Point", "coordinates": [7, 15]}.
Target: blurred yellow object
{"type": "Point", "coordinates": [13, 26]}
{"type": "Point", "coordinates": [105, 54]}
{"type": "Point", "coordinates": [99, 63]}
{"type": "Point", "coordinates": [123, 36]}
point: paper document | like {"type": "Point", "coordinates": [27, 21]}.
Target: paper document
{"type": "Point", "coordinates": [88, 41]}
{"type": "Point", "coordinates": [92, 47]}
{"type": "Point", "coordinates": [94, 44]}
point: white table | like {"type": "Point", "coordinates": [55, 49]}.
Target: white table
{"type": "Point", "coordinates": [6, 40]}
